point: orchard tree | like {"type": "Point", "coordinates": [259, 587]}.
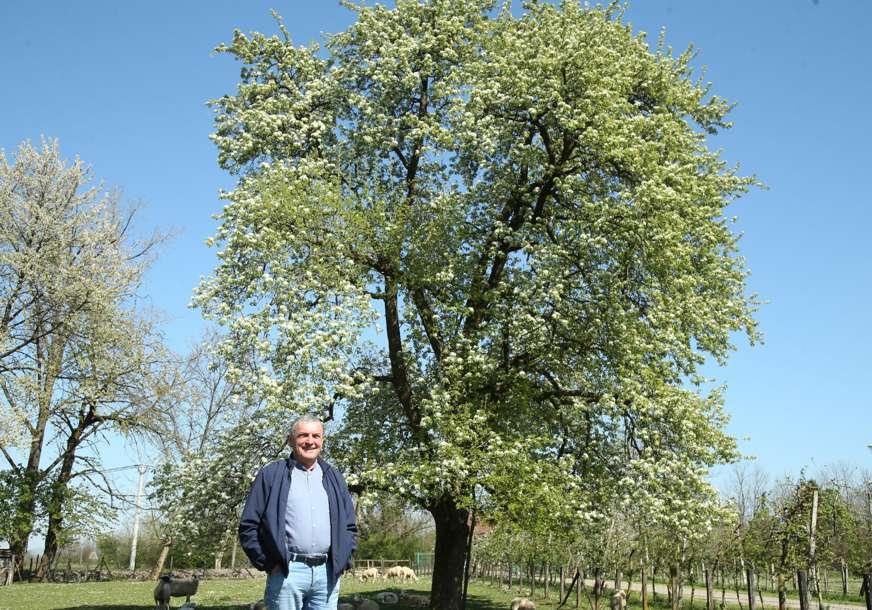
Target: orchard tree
{"type": "Point", "coordinates": [74, 350]}
{"type": "Point", "coordinates": [495, 247]}
{"type": "Point", "coordinates": [200, 494]}
{"type": "Point", "coordinates": [199, 402]}
{"type": "Point", "coordinates": [211, 445]}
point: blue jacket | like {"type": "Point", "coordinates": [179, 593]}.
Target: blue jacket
{"type": "Point", "coordinates": [262, 525]}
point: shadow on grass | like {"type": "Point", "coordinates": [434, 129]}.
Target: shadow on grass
{"type": "Point", "coordinates": [473, 603]}
{"type": "Point", "coordinates": [174, 606]}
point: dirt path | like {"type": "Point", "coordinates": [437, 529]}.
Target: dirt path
{"type": "Point", "coordinates": [769, 602]}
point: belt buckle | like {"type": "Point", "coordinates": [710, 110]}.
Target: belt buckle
{"type": "Point", "coordinates": [310, 560]}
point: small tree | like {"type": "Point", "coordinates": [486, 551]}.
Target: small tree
{"type": "Point", "coordinates": [387, 530]}
{"type": "Point", "coordinates": [205, 434]}
{"type": "Point", "coordinates": [199, 497]}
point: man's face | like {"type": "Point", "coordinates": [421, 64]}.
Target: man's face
{"type": "Point", "coordinates": [308, 437]}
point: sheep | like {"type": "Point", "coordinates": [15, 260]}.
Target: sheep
{"type": "Point", "coordinates": [368, 574]}
{"type": "Point", "coordinates": [619, 600]}
{"type": "Point", "coordinates": [162, 594]}
{"type": "Point", "coordinates": [168, 587]}
{"type": "Point", "coordinates": [405, 573]}
{"type": "Point", "coordinates": [401, 573]}
{"type": "Point", "coordinates": [522, 603]}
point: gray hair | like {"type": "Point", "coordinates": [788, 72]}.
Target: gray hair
{"type": "Point", "coordinates": [307, 418]}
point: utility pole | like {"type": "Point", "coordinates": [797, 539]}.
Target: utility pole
{"type": "Point", "coordinates": [812, 554]}
{"type": "Point", "coordinates": [136, 510]}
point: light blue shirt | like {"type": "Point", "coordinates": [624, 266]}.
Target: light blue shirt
{"type": "Point", "coordinates": [307, 520]}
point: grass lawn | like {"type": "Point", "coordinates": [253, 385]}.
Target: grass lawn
{"type": "Point", "coordinates": [237, 594]}
{"type": "Point", "coordinates": [219, 594]}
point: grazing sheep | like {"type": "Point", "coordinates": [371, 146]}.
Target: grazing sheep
{"type": "Point", "coordinates": [401, 573]}
{"type": "Point", "coordinates": [522, 603]}
{"type": "Point", "coordinates": [619, 600]}
{"type": "Point", "coordinates": [368, 574]}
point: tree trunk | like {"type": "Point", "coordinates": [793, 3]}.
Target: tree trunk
{"type": "Point", "coordinates": [161, 560]}
{"type": "Point", "coordinates": [802, 582]}
{"type": "Point", "coordinates": [48, 359]}
{"type": "Point", "coordinates": [782, 591]}
{"type": "Point", "coordinates": [23, 520]}
{"type": "Point", "coordinates": [449, 559]}
{"type": "Point", "coordinates": [58, 495]}
{"type": "Point", "coordinates": [709, 590]}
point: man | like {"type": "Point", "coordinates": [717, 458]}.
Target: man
{"type": "Point", "coordinates": [298, 524]}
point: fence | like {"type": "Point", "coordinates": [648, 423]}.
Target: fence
{"type": "Point", "coordinates": [381, 564]}
{"type": "Point", "coordinates": [746, 586]}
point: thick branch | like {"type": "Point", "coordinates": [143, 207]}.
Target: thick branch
{"type": "Point", "coordinates": [428, 321]}
{"type": "Point", "coordinates": [399, 369]}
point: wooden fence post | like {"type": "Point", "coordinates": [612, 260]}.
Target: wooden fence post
{"type": "Point", "coordinates": [844, 570]}
{"type": "Point", "coordinates": [644, 576]}
{"type": "Point", "coordinates": [802, 585]}
{"type": "Point", "coordinates": [597, 587]}
{"type": "Point", "coordinates": [752, 588]}
{"type": "Point", "coordinates": [578, 586]}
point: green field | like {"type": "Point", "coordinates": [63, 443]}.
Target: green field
{"type": "Point", "coordinates": [237, 594]}
{"type": "Point", "coordinates": [219, 594]}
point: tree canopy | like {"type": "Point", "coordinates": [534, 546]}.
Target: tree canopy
{"type": "Point", "coordinates": [75, 352]}
{"type": "Point", "coordinates": [495, 248]}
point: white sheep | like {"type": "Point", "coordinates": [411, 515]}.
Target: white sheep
{"type": "Point", "coordinates": [368, 574]}
{"type": "Point", "coordinates": [619, 600]}
{"type": "Point", "coordinates": [522, 603]}
{"type": "Point", "coordinates": [407, 573]}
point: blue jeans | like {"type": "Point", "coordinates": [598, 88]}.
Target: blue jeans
{"type": "Point", "coordinates": [305, 588]}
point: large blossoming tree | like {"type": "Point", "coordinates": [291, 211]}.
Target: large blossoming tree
{"type": "Point", "coordinates": [77, 353]}
{"type": "Point", "coordinates": [494, 248]}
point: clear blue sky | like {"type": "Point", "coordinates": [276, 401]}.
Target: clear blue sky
{"type": "Point", "coordinates": [124, 84]}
